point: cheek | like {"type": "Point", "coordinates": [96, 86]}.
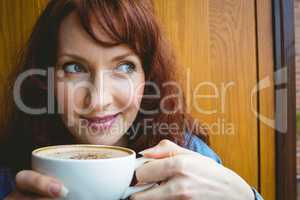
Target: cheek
{"type": "Point", "coordinates": [78, 98]}
{"type": "Point", "coordinates": [69, 98]}
{"type": "Point", "coordinates": [61, 92]}
{"type": "Point", "coordinates": [129, 94]}
{"type": "Point", "coordinates": [139, 93]}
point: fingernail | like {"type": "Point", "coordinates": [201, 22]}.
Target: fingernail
{"type": "Point", "coordinates": [147, 151]}
{"type": "Point", "coordinates": [58, 190]}
{"type": "Point", "coordinates": [64, 191]}
{"type": "Point", "coordinates": [141, 153]}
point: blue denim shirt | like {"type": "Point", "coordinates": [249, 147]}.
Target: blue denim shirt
{"type": "Point", "coordinates": [7, 183]}
{"type": "Point", "coordinates": [193, 143]}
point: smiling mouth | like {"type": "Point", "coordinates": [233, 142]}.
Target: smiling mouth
{"type": "Point", "coordinates": [101, 123]}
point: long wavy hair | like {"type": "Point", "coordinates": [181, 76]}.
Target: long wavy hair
{"type": "Point", "coordinates": [127, 22]}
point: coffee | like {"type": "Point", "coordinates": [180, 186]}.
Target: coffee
{"type": "Point", "coordinates": [83, 153]}
{"type": "Point", "coordinates": [90, 171]}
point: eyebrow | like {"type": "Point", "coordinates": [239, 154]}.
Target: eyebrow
{"type": "Point", "coordinates": [114, 59]}
{"type": "Point", "coordinates": [122, 56]}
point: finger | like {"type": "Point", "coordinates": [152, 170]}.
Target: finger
{"type": "Point", "coordinates": [18, 195]}
{"type": "Point", "coordinates": [164, 149]}
{"type": "Point", "coordinates": [176, 188]}
{"type": "Point", "coordinates": [30, 181]}
{"type": "Point", "coordinates": [154, 193]}
{"type": "Point", "coordinates": [162, 169]}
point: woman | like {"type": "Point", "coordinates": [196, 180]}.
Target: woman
{"type": "Point", "coordinates": [107, 63]}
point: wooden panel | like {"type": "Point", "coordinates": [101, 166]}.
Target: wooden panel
{"type": "Point", "coordinates": [233, 54]}
{"type": "Point", "coordinates": [16, 20]}
{"type": "Point", "coordinates": [286, 183]}
{"type": "Point", "coordinates": [266, 98]}
{"type": "Point", "coordinates": [215, 41]}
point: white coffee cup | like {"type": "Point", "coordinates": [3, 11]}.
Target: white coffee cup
{"type": "Point", "coordinates": [105, 179]}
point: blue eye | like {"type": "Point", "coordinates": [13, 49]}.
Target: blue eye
{"type": "Point", "coordinates": [73, 68]}
{"type": "Point", "coordinates": [126, 67]}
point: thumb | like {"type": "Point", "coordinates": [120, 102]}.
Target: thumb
{"type": "Point", "coordinates": [163, 149]}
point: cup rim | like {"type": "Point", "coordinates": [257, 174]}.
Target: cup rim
{"type": "Point", "coordinates": [37, 155]}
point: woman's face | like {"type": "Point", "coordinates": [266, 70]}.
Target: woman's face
{"type": "Point", "coordinates": [98, 89]}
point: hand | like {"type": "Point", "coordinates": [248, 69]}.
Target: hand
{"type": "Point", "coordinates": [185, 174]}
{"type": "Point", "coordinates": [31, 185]}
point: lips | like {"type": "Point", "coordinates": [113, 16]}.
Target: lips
{"type": "Point", "coordinates": [101, 123]}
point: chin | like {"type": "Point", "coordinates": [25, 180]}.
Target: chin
{"type": "Point", "coordinates": [104, 141]}
{"type": "Point", "coordinates": [112, 136]}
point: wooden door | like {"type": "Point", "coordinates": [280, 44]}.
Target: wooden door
{"type": "Point", "coordinates": [224, 48]}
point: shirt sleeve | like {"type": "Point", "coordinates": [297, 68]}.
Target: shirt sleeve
{"type": "Point", "coordinates": [194, 143]}
{"type": "Point", "coordinates": [7, 183]}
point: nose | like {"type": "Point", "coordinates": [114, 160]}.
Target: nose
{"type": "Point", "coordinates": [100, 96]}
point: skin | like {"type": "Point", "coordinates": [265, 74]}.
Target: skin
{"type": "Point", "coordinates": [182, 174]}
{"type": "Point", "coordinates": [103, 84]}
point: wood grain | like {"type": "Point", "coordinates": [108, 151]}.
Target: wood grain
{"type": "Point", "coordinates": [233, 55]}
{"type": "Point", "coordinates": [266, 98]}
{"type": "Point", "coordinates": [215, 42]}
{"type": "Point", "coordinates": [16, 20]}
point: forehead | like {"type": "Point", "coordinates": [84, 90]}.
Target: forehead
{"type": "Point", "coordinates": [73, 37]}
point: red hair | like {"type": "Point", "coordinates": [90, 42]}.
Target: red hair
{"type": "Point", "coordinates": [127, 22]}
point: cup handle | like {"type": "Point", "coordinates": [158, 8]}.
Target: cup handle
{"type": "Point", "coordinates": [139, 188]}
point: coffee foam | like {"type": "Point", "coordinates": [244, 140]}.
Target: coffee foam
{"type": "Point", "coordinates": [82, 153]}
